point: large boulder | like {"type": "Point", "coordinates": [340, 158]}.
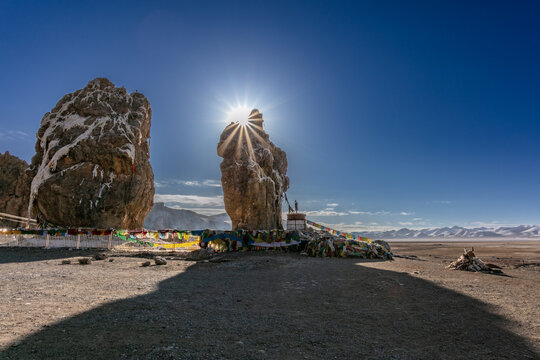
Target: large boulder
{"type": "Point", "coordinates": [14, 189]}
{"type": "Point", "coordinates": [91, 167]}
{"type": "Point", "coordinates": [253, 175]}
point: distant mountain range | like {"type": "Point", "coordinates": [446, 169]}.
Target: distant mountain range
{"type": "Point", "coordinates": [521, 231]}
{"type": "Point", "coordinates": [162, 217]}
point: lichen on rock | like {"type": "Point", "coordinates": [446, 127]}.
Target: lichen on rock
{"type": "Point", "coordinates": [253, 175]}
{"type": "Point", "coordinates": [91, 167]}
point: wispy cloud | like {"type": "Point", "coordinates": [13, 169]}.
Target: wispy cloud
{"type": "Point", "coordinates": [212, 183]}
{"type": "Point", "coordinates": [330, 211]}
{"type": "Point", "coordinates": [13, 135]}
{"type": "Point", "coordinates": [405, 213]}
{"type": "Point", "coordinates": [333, 205]}
{"type": "Point", "coordinates": [190, 183]}
{"type": "Point", "coordinates": [487, 224]}
{"type": "Point", "coordinates": [203, 211]}
{"type": "Point", "coordinates": [346, 227]}
{"type": "Point", "coordinates": [326, 213]}
{"type": "Point", "coordinates": [405, 223]}
{"type": "Point", "coordinates": [382, 212]}
{"type": "Point", "coordinates": [443, 202]}
{"type": "Point", "coordinates": [190, 200]}
{"type": "Point", "coordinates": [358, 226]}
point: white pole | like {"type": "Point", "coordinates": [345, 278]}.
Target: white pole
{"type": "Point", "coordinates": [110, 242]}
{"type": "Point", "coordinates": [78, 240]}
{"type": "Point", "coordinates": [47, 241]}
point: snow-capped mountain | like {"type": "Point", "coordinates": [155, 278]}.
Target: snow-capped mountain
{"type": "Point", "coordinates": [521, 231]}
{"type": "Point", "coordinates": [162, 217]}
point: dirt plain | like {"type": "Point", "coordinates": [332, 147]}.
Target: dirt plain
{"type": "Point", "coordinates": [271, 305]}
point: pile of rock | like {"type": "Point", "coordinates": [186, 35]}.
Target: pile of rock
{"type": "Point", "coordinates": [326, 245]}
{"type": "Point", "coordinates": [469, 262]}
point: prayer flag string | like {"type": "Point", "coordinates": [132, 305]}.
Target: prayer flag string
{"type": "Point", "coordinates": [338, 233]}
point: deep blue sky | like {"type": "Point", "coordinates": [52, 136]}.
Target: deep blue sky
{"type": "Point", "coordinates": [392, 114]}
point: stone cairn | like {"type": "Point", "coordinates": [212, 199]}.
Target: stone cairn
{"type": "Point", "coordinates": [469, 262]}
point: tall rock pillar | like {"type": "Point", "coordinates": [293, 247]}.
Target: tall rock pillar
{"type": "Point", "coordinates": [253, 175]}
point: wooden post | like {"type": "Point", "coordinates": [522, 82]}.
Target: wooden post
{"type": "Point", "coordinates": [110, 242]}
{"type": "Point", "coordinates": [78, 240]}
{"type": "Point", "coordinates": [47, 241]}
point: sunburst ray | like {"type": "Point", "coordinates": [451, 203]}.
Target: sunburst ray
{"type": "Point", "coordinates": [227, 141]}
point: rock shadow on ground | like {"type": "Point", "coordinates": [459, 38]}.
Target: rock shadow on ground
{"type": "Point", "coordinates": [283, 307]}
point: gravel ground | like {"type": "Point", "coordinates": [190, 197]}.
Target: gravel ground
{"type": "Point", "coordinates": [271, 305]}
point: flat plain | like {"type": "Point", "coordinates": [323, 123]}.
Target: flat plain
{"type": "Point", "coordinates": [272, 305]}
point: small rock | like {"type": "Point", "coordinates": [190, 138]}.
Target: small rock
{"type": "Point", "coordinates": [100, 256]}
{"type": "Point", "coordinates": [146, 263]}
{"type": "Point", "coordinates": [160, 260]}
{"type": "Point", "coordinates": [66, 262]}
{"type": "Point", "coordinates": [111, 260]}
{"type": "Point", "coordinates": [85, 261]}
{"type": "Point", "coordinates": [200, 254]}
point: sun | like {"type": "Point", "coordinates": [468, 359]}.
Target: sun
{"type": "Point", "coordinates": [239, 114]}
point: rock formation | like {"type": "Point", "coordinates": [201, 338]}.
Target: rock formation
{"type": "Point", "coordinates": [91, 167]}
{"type": "Point", "coordinates": [253, 175]}
{"type": "Point", "coordinates": [14, 189]}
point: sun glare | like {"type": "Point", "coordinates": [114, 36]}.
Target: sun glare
{"type": "Point", "coordinates": [239, 115]}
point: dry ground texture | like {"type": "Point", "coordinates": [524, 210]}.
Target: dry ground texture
{"type": "Point", "coordinates": [272, 305]}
